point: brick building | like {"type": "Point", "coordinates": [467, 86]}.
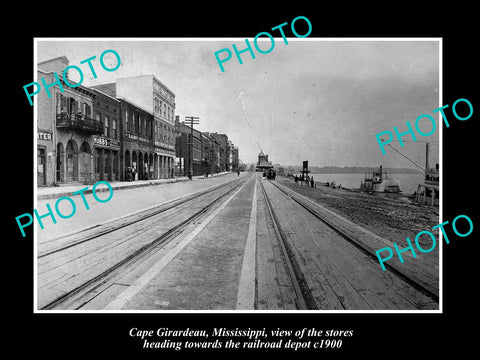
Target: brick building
{"type": "Point", "coordinates": [222, 140]}
{"type": "Point", "coordinates": [106, 146]}
{"type": "Point", "coordinates": [68, 116]}
{"type": "Point", "coordinates": [183, 149]}
{"type": "Point", "coordinates": [150, 94]}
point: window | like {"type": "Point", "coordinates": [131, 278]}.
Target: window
{"type": "Point", "coordinates": [87, 110]}
{"type": "Point", "coordinates": [72, 106]}
{"type": "Point", "coordinates": [106, 121]}
{"type": "Point", "coordinates": [114, 128]}
{"type": "Point", "coordinates": [135, 124]}
{"type": "Point", "coordinates": [98, 117]}
{"type": "Point", "coordinates": [164, 110]}
{"type": "Point", "coordinates": [60, 104]}
{"type": "Point", "coordinates": [134, 129]}
{"type": "Point", "coordinates": [127, 123]}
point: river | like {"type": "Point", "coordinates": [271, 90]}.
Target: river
{"type": "Point", "coordinates": [408, 182]}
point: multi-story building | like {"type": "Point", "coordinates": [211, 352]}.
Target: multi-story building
{"type": "Point", "coordinates": [207, 154]}
{"type": "Point", "coordinates": [222, 140]}
{"type": "Point", "coordinates": [46, 135]}
{"type": "Point", "coordinates": [66, 117]}
{"type": "Point", "coordinates": [214, 159]}
{"type": "Point", "coordinates": [137, 142]}
{"type": "Point", "coordinates": [187, 146]}
{"type": "Point", "coordinates": [148, 93]}
{"type": "Point", "coordinates": [106, 146]}
{"type": "Point", "coordinates": [228, 156]}
{"type": "Point", "coordinates": [235, 159]}
{"type": "Point", "coordinates": [263, 163]}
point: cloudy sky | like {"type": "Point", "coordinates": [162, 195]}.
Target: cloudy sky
{"type": "Point", "coordinates": [313, 99]}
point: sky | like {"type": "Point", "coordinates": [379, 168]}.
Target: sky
{"type": "Point", "coordinates": [314, 99]}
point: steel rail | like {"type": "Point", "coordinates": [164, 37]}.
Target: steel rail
{"type": "Point", "coordinates": [159, 242]}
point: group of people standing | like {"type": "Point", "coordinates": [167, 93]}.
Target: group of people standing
{"type": "Point", "coordinates": [270, 174]}
{"type": "Point", "coordinates": [130, 173]}
{"type": "Point", "coordinates": [307, 179]}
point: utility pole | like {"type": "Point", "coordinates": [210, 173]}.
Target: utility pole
{"type": "Point", "coordinates": [427, 165]}
{"type": "Point", "coordinates": [191, 120]}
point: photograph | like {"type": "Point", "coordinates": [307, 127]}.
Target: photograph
{"type": "Point", "coordinates": [216, 181]}
{"type": "Point", "coordinates": [294, 180]}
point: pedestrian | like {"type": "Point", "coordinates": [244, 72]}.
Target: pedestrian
{"type": "Point", "coordinates": [238, 173]}
{"type": "Point", "coordinates": [311, 182]}
{"type": "Point", "coordinates": [296, 179]}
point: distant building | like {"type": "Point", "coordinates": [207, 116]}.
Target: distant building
{"type": "Point", "coordinates": [263, 163]}
{"type": "Point", "coordinates": [222, 140]}
{"type": "Point", "coordinates": [183, 149]}
{"type": "Point", "coordinates": [235, 159]}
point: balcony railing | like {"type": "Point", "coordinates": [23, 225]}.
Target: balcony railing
{"type": "Point", "coordinates": [79, 122]}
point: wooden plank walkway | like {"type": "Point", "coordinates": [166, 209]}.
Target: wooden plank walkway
{"type": "Point", "coordinates": [63, 271]}
{"type": "Point", "coordinates": [424, 269]}
{"type": "Point", "coordinates": [337, 273]}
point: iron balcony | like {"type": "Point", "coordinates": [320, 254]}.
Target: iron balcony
{"type": "Point", "coordinates": [79, 122]}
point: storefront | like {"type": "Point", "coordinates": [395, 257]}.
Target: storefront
{"type": "Point", "coordinates": [106, 153]}
{"type": "Point", "coordinates": [45, 169]}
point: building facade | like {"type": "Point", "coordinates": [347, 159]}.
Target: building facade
{"type": "Point", "coordinates": [106, 146]}
{"type": "Point", "coordinates": [88, 134]}
{"type": "Point", "coordinates": [137, 142]}
{"type": "Point", "coordinates": [149, 93]}
{"type": "Point", "coordinates": [46, 135]}
{"type": "Point", "coordinates": [263, 164]}
{"type": "Point", "coordinates": [189, 149]}
{"type": "Point", "coordinates": [68, 114]}
{"type": "Point", "coordinates": [235, 159]}
{"type": "Point", "coordinates": [223, 154]}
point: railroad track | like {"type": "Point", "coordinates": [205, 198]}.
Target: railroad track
{"type": "Point", "coordinates": [107, 253]}
{"type": "Point", "coordinates": [303, 299]}
{"type": "Point", "coordinates": [67, 241]}
{"type": "Point", "coordinates": [329, 272]}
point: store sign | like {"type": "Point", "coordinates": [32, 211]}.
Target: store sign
{"type": "Point", "coordinates": [163, 152]}
{"type": "Point", "coordinates": [47, 136]}
{"type": "Point", "coordinates": [106, 142]}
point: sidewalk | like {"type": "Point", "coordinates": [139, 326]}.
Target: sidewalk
{"type": "Point", "coordinates": [68, 190]}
